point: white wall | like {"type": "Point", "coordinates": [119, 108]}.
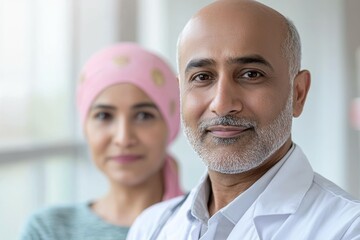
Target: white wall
{"type": "Point", "coordinates": [352, 65]}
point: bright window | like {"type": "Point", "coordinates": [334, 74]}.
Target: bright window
{"type": "Point", "coordinates": [37, 146]}
{"type": "Point", "coordinates": [35, 70]}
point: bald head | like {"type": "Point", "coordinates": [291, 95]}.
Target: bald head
{"type": "Point", "coordinates": [234, 17]}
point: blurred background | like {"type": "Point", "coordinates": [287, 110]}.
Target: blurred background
{"type": "Point", "coordinates": [44, 43]}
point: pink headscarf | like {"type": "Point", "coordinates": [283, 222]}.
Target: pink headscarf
{"type": "Point", "coordinates": [129, 63]}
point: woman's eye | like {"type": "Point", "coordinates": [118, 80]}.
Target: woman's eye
{"type": "Point", "coordinates": [144, 116]}
{"type": "Point", "coordinates": [103, 116]}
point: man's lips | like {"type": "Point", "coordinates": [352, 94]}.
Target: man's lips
{"type": "Point", "coordinates": [126, 158]}
{"type": "Point", "coordinates": [221, 131]}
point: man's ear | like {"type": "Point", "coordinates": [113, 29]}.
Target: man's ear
{"type": "Point", "coordinates": [300, 89]}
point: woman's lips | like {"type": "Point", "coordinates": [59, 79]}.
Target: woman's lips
{"type": "Point", "coordinates": [226, 131]}
{"type": "Point", "coordinates": [126, 158]}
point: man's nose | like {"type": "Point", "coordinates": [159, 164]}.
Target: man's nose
{"type": "Point", "coordinates": [125, 134]}
{"type": "Point", "coordinates": [226, 97]}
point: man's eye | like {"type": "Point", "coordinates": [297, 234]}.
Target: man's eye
{"type": "Point", "coordinates": [252, 74]}
{"type": "Point", "coordinates": [103, 116]}
{"type": "Point", "coordinates": [201, 77]}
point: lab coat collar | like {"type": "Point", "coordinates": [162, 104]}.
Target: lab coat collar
{"type": "Point", "coordinates": [281, 198]}
{"type": "Point", "coordinates": [287, 189]}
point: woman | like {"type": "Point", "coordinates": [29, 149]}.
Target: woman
{"type": "Point", "coordinates": [128, 103]}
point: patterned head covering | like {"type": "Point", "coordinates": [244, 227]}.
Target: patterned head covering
{"type": "Point", "coordinates": [129, 63]}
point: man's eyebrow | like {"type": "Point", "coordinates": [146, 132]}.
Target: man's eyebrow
{"type": "Point", "coordinates": [197, 63]}
{"type": "Point", "coordinates": [203, 62]}
{"type": "Point", "coordinates": [250, 59]}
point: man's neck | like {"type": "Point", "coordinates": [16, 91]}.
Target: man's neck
{"type": "Point", "coordinates": [226, 187]}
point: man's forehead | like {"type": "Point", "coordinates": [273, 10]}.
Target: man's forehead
{"type": "Point", "coordinates": [229, 49]}
{"type": "Point", "coordinates": [205, 41]}
{"type": "Point", "coordinates": [223, 17]}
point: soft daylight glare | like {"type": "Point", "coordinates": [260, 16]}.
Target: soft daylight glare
{"type": "Point", "coordinates": [34, 48]}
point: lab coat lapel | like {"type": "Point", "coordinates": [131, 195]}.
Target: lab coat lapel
{"type": "Point", "coordinates": [280, 199]}
{"type": "Point", "coordinates": [286, 190]}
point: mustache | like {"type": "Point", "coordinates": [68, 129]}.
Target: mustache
{"type": "Point", "coordinates": [227, 120]}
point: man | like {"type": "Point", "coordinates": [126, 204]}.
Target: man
{"type": "Point", "coordinates": [240, 86]}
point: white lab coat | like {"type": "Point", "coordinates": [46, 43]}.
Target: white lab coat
{"type": "Point", "coordinates": [297, 204]}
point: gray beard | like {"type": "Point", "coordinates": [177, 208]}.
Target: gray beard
{"type": "Point", "coordinates": [263, 143]}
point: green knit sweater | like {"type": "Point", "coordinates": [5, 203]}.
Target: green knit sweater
{"type": "Point", "coordinates": [74, 222]}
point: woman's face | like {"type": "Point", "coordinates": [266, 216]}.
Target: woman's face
{"type": "Point", "coordinates": [127, 135]}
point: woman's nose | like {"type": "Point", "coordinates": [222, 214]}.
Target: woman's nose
{"type": "Point", "coordinates": [125, 134]}
{"type": "Point", "coordinates": [226, 99]}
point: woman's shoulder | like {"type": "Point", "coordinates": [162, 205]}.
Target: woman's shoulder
{"type": "Point", "coordinates": [47, 221]}
{"type": "Point", "coordinates": [60, 212]}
